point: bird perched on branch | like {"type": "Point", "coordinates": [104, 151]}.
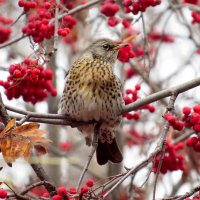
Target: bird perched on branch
{"type": "Point", "coordinates": [93, 92]}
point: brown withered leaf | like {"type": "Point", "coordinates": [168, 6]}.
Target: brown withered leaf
{"type": "Point", "coordinates": [41, 149]}
{"type": "Point", "coordinates": [19, 141]}
{"type": "Point", "coordinates": [9, 127]}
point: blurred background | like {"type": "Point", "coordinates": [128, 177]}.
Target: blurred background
{"type": "Point", "coordinates": [166, 53]}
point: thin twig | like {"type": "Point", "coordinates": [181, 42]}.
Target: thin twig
{"type": "Point", "coordinates": [77, 9]}
{"type": "Point", "coordinates": [23, 13]}
{"type": "Point", "coordinates": [12, 41]}
{"type": "Point", "coordinates": [94, 147]}
{"type": "Point", "coordinates": [162, 142]}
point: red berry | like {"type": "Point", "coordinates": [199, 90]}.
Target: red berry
{"type": "Point", "coordinates": [84, 189]}
{"type": "Point", "coordinates": [129, 72]}
{"type": "Point", "coordinates": [127, 3]}
{"type": "Point", "coordinates": [151, 108]}
{"type": "Point", "coordinates": [196, 127]}
{"type": "Point", "coordinates": [196, 109]}
{"type": "Point", "coordinates": [21, 3]}
{"type": "Point", "coordinates": [191, 141]}
{"type": "Point", "coordinates": [17, 73]}
{"type": "Point", "coordinates": [186, 110]}
{"type": "Point", "coordinates": [129, 116]}
{"type": "Point", "coordinates": [136, 116]}
{"type": "Point", "coordinates": [47, 5]}
{"type": "Point", "coordinates": [113, 21]}
{"type": "Point", "coordinates": [196, 147]}
{"type": "Point", "coordinates": [90, 183]}
{"type": "Point", "coordinates": [178, 125]}
{"type": "Point", "coordinates": [56, 197]}
{"type": "Point", "coordinates": [62, 191]}
{"type": "Point", "coordinates": [54, 92]}
{"type": "Point", "coordinates": [194, 118]}
{"type": "Point", "coordinates": [72, 190]}
{"type": "Point", "coordinates": [137, 86]}
{"type": "Point", "coordinates": [3, 194]}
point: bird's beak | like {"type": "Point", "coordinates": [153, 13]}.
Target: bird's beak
{"type": "Point", "coordinates": [119, 46]}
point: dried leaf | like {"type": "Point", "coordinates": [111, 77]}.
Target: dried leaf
{"type": "Point", "coordinates": [19, 141]}
{"type": "Point", "coordinates": [41, 149]}
{"type": "Point", "coordinates": [9, 127]}
{"type": "Point", "coordinates": [26, 128]}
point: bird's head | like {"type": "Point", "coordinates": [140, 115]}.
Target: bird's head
{"type": "Point", "coordinates": [105, 49]}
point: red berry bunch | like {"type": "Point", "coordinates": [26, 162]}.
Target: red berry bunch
{"type": "Point", "coordinates": [30, 80]}
{"type": "Point", "coordinates": [63, 193]}
{"type": "Point", "coordinates": [194, 143]}
{"type": "Point", "coordinates": [174, 122]}
{"type": "Point", "coordinates": [129, 72]}
{"type": "Point", "coordinates": [155, 36]}
{"type": "Point", "coordinates": [126, 23]}
{"type": "Point", "coordinates": [172, 161]}
{"type": "Point", "coordinates": [195, 17]}
{"type": "Point", "coordinates": [125, 54]}
{"type": "Point", "coordinates": [132, 96]}
{"type": "Point", "coordinates": [139, 6]}
{"type": "Point", "coordinates": [27, 5]}
{"type": "Point", "coordinates": [68, 23]}
{"type": "Point", "coordinates": [139, 51]}
{"type": "Point", "coordinates": [66, 146]}
{"type": "Point", "coordinates": [3, 194]}
{"type": "Point", "coordinates": [38, 20]}
{"type": "Point", "coordinates": [191, 117]}
{"type": "Point", "coordinates": [109, 8]}
{"type": "Point", "coordinates": [137, 138]}
{"type": "Point", "coordinates": [5, 31]}
{"type": "Point", "coordinates": [113, 21]}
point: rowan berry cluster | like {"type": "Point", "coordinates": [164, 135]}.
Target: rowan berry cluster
{"type": "Point", "coordinates": [5, 31]}
{"type": "Point", "coordinates": [129, 72]}
{"type": "Point", "coordinates": [155, 36]}
{"type": "Point", "coordinates": [63, 193]}
{"type": "Point", "coordinates": [172, 160]}
{"type": "Point", "coordinates": [30, 80]}
{"type": "Point", "coordinates": [174, 122]}
{"type": "Point", "coordinates": [191, 117]}
{"type": "Point", "coordinates": [38, 20]}
{"type": "Point", "coordinates": [132, 96]}
{"type": "Point", "coordinates": [68, 23]}
{"type": "Point", "coordinates": [139, 6]}
{"type": "Point", "coordinates": [109, 8]}
{"type": "Point", "coordinates": [40, 14]}
{"type": "Point", "coordinates": [3, 194]}
{"type": "Point", "coordinates": [194, 143]}
{"type": "Point", "coordinates": [137, 138]}
{"type": "Point", "coordinates": [125, 54]}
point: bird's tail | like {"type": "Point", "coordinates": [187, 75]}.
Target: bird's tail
{"type": "Point", "coordinates": [106, 152]}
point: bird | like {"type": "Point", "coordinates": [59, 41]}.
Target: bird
{"type": "Point", "coordinates": [92, 92]}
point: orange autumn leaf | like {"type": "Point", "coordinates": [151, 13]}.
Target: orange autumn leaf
{"type": "Point", "coordinates": [20, 141]}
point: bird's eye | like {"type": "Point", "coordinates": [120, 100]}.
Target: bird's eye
{"type": "Point", "coordinates": [106, 46]}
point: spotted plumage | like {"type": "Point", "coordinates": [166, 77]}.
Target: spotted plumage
{"type": "Point", "coordinates": [93, 92]}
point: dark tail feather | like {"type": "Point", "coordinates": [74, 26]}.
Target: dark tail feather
{"type": "Point", "coordinates": [106, 151]}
